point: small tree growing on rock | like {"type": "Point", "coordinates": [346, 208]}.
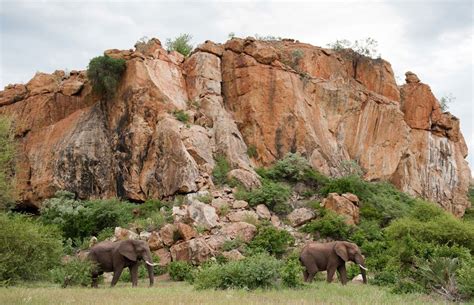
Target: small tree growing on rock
{"type": "Point", "coordinates": [105, 73]}
{"type": "Point", "coordinates": [181, 44]}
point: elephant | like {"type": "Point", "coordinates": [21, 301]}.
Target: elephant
{"type": "Point", "coordinates": [331, 256]}
{"type": "Point", "coordinates": [110, 256]}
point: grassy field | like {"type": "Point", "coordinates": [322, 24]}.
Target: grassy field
{"type": "Point", "coordinates": [166, 292]}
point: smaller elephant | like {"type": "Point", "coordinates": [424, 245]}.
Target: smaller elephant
{"type": "Point", "coordinates": [331, 256]}
{"type": "Point", "coordinates": [115, 256]}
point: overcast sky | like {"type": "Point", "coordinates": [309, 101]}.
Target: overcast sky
{"type": "Point", "coordinates": [434, 39]}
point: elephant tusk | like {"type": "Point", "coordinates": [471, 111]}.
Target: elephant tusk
{"type": "Point", "coordinates": [363, 267]}
{"type": "Point", "coordinates": [150, 264]}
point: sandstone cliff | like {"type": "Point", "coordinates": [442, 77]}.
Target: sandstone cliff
{"type": "Point", "coordinates": [273, 96]}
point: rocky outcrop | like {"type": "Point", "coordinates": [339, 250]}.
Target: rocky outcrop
{"type": "Point", "coordinates": [346, 205]}
{"type": "Point", "coordinates": [275, 97]}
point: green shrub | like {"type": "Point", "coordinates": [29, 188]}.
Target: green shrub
{"type": "Point", "coordinates": [465, 277]}
{"type": "Point", "coordinates": [259, 271]}
{"type": "Point", "coordinates": [28, 249]}
{"type": "Point", "coordinates": [233, 244]}
{"type": "Point", "coordinates": [220, 171]}
{"type": "Point", "coordinates": [252, 151]}
{"type": "Point", "coordinates": [181, 116]}
{"type": "Point", "coordinates": [74, 272]}
{"type": "Point", "coordinates": [82, 219]}
{"type": "Point", "coordinates": [294, 168]}
{"type": "Point", "coordinates": [365, 47]}
{"type": "Point", "coordinates": [104, 73]}
{"type": "Point", "coordinates": [439, 275]}
{"type": "Point", "coordinates": [205, 198]}
{"type": "Point", "coordinates": [142, 273]}
{"type": "Point", "coordinates": [7, 152]}
{"type": "Point", "coordinates": [329, 225]}
{"type": "Point", "coordinates": [272, 240]}
{"type": "Point", "coordinates": [153, 222]}
{"type": "Point", "coordinates": [181, 271]}
{"type": "Point", "coordinates": [273, 195]}
{"type": "Point", "coordinates": [149, 207]}
{"type": "Point", "coordinates": [291, 272]}
{"type": "Point", "coordinates": [181, 44]}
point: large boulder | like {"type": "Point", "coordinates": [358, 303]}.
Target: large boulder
{"type": "Point", "coordinates": [185, 231]}
{"type": "Point", "coordinates": [342, 206]}
{"type": "Point", "coordinates": [242, 230]}
{"type": "Point", "coordinates": [168, 234]}
{"type": "Point", "coordinates": [300, 216]}
{"type": "Point", "coordinates": [203, 214]}
{"type": "Point", "coordinates": [164, 255]}
{"type": "Point", "coordinates": [246, 216]}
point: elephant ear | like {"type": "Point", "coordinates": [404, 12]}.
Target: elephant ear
{"type": "Point", "coordinates": [127, 249]}
{"type": "Point", "coordinates": [341, 251]}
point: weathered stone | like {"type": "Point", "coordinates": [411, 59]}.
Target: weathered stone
{"type": "Point", "coordinates": [358, 279]}
{"type": "Point", "coordinates": [247, 178]}
{"type": "Point", "coordinates": [12, 94]}
{"type": "Point", "coordinates": [411, 77]}
{"type": "Point", "coordinates": [154, 241]}
{"type": "Point", "coordinates": [300, 216]}
{"type": "Point", "coordinates": [233, 255]}
{"type": "Point", "coordinates": [186, 232]}
{"type": "Point", "coordinates": [168, 234]}
{"type": "Point", "coordinates": [211, 47]}
{"type": "Point", "coordinates": [216, 241]}
{"type": "Point", "coordinates": [180, 252]}
{"type": "Point", "coordinates": [246, 216]}
{"type": "Point", "coordinates": [71, 87]}
{"type": "Point", "coordinates": [240, 204]}
{"type": "Point", "coordinates": [179, 213]}
{"type": "Point", "coordinates": [351, 197]}
{"type": "Point", "coordinates": [164, 255]}
{"type": "Point", "coordinates": [275, 220]}
{"type": "Point", "coordinates": [262, 211]}
{"type": "Point", "coordinates": [243, 230]}
{"type": "Point", "coordinates": [121, 234]}
{"type": "Point", "coordinates": [42, 83]}
{"type": "Point", "coordinates": [203, 214]}
{"type": "Point", "coordinates": [219, 203]}
{"type": "Point", "coordinates": [200, 251]}
{"type": "Point", "coordinates": [145, 235]}
{"type": "Point", "coordinates": [342, 206]}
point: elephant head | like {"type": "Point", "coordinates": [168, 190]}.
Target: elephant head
{"type": "Point", "coordinates": [350, 252]}
{"type": "Point", "coordinates": [135, 250]}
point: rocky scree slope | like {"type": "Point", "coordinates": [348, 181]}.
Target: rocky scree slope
{"type": "Point", "coordinates": [275, 97]}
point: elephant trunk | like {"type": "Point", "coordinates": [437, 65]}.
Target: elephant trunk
{"type": "Point", "coordinates": [149, 266]}
{"type": "Point", "coordinates": [363, 270]}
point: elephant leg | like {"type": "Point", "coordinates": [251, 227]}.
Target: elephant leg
{"type": "Point", "coordinates": [330, 274]}
{"type": "Point", "coordinates": [342, 274]}
{"type": "Point", "coordinates": [310, 276]}
{"type": "Point", "coordinates": [134, 274]}
{"type": "Point", "coordinates": [305, 275]}
{"type": "Point", "coordinates": [117, 273]}
{"type": "Point", "coordinates": [95, 279]}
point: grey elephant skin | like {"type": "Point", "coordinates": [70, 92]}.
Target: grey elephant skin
{"type": "Point", "coordinates": [331, 256]}
{"type": "Point", "coordinates": [115, 256]}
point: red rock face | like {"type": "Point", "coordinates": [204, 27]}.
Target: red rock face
{"type": "Point", "coordinates": [275, 97]}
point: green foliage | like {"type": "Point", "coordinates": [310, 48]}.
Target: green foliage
{"type": "Point", "coordinates": [439, 275]}
{"type": "Point", "coordinates": [181, 271]}
{"type": "Point", "coordinates": [328, 225]}
{"type": "Point", "coordinates": [273, 195]}
{"type": "Point", "coordinates": [181, 44]}
{"type": "Point", "coordinates": [220, 171]}
{"type": "Point", "coordinates": [205, 198]}
{"type": "Point", "coordinates": [74, 272]}
{"type": "Point", "coordinates": [127, 277]}
{"type": "Point", "coordinates": [465, 278]}
{"type": "Point", "coordinates": [104, 73]}
{"type": "Point", "coordinates": [28, 249]}
{"type": "Point", "coordinates": [350, 168]}
{"type": "Point", "coordinates": [149, 207]}
{"type": "Point", "coordinates": [291, 272]}
{"type": "Point", "coordinates": [153, 222]}
{"type": "Point", "coordinates": [272, 240]}
{"type": "Point", "coordinates": [294, 168]}
{"type": "Point", "coordinates": [366, 47]}
{"type": "Point", "coordinates": [252, 151]}
{"type": "Point", "coordinates": [7, 153]}
{"type": "Point", "coordinates": [259, 271]}
{"type": "Point", "coordinates": [232, 244]}
{"type": "Point", "coordinates": [181, 116]}
{"type": "Point", "coordinates": [445, 101]}
{"type": "Point", "coordinates": [82, 219]}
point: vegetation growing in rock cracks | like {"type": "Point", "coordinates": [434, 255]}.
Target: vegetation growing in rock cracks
{"type": "Point", "coordinates": [7, 150]}
{"type": "Point", "coordinates": [104, 73]}
{"type": "Point", "coordinates": [181, 44]}
{"type": "Point", "coordinates": [366, 47]}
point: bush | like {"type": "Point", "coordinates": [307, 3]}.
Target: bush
{"type": "Point", "coordinates": [74, 272]}
{"type": "Point", "coordinates": [465, 277]}
{"type": "Point", "coordinates": [329, 225]}
{"type": "Point", "coordinates": [181, 271]}
{"type": "Point", "coordinates": [294, 168]}
{"type": "Point", "coordinates": [104, 73]}
{"type": "Point", "coordinates": [180, 44]}
{"type": "Point", "coordinates": [153, 222]}
{"type": "Point", "coordinates": [259, 271]}
{"type": "Point", "coordinates": [82, 219]}
{"type": "Point", "coordinates": [291, 272]}
{"type": "Point", "coordinates": [149, 207]}
{"type": "Point", "coordinates": [220, 171]}
{"type": "Point", "coordinates": [439, 275]}
{"type": "Point", "coordinates": [273, 195]}
{"type": "Point", "coordinates": [181, 116]}
{"type": "Point", "coordinates": [7, 152]}
{"type": "Point", "coordinates": [252, 151]}
{"type": "Point", "coordinates": [272, 240]}
{"type": "Point", "coordinates": [127, 277]}
{"type": "Point", "coordinates": [366, 47]}
{"type": "Point", "coordinates": [233, 244]}
{"type": "Point", "coordinates": [28, 249]}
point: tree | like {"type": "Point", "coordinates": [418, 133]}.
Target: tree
{"type": "Point", "coordinates": [445, 101]}
{"type": "Point", "coordinates": [366, 47]}
{"type": "Point", "coordinates": [180, 44]}
{"type": "Point", "coordinates": [105, 73]}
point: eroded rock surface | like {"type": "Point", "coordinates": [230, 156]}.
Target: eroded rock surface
{"type": "Point", "coordinates": [274, 97]}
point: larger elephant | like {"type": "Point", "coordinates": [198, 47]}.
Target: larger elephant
{"type": "Point", "coordinates": [115, 256]}
{"type": "Point", "coordinates": [331, 256]}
